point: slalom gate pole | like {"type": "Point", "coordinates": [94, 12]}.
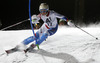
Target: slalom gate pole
{"type": "Point", "coordinates": [30, 17]}
{"type": "Point", "coordinates": [31, 22]}
{"type": "Point", "coordinates": [14, 25]}
{"type": "Point", "coordinates": [86, 32]}
{"type": "Point", "coordinates": [32, 26]}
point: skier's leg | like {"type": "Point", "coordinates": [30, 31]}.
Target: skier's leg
{"type": "Point", "coordinates": [42, 38]}
{"type": "Point", "coordinates": [31, 39]}
{"type": "Point", "coordinates": [22, 45]}
{"type": "Point", "coordinates": [28, 40]}
{"type": "Point", "coordinates": [39, 41]}
{"type": "Point", "coordinates": [32, 45]}
{"type": "Point", "coordinates": [47, 33]}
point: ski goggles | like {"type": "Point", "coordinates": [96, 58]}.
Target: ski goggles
{"type": "Point", "coordinates": [43, 10]}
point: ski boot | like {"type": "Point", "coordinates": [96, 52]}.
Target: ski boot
{"type": "Point", "coordinates": [30, 48]}
{"type": "Point", "coordinates": [11, 50]}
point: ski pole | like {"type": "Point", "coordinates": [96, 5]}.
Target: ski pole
{"type": "Point", "coordinates": [14, 25]}
{"type": "Point", "coordinates": [86, 32]}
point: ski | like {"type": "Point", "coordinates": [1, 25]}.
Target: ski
{"type": "Point", "coordinates": [2, 54]}
{"type": "Point", "coordinates": [11, 50]}
{"type": "Point", "coordinates": [32, 46]}
{"type": "Point", "coordinates": [8, 52]}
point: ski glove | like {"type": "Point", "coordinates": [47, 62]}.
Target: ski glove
{"type": "Point", "coordinates": [34, 19]}
{"type": "Point", "coordinates": [70, 23]}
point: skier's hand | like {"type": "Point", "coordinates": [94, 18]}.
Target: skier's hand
{"type": "Point", "coordinates": [34, 19]}
{"type": "Point", "coordinates": [70, 23]}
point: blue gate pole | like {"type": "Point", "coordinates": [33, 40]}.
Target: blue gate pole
{"type": "Point", "coordinates": [31, 22]}
{"type": "Point", "coordinates": [30, 17]}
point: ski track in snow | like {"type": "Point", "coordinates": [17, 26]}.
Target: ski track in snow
{"type": "Point", "coordinates": [68, 45]}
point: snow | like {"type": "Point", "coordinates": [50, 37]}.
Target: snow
{"type": "Point", "coordinates": [68, 45]}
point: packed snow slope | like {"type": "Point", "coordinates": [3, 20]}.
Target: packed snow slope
{"type": "Point", "coordinates": [68, 45]}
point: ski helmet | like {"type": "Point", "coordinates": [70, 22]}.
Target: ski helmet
{"type": "Point", "coordinates": [43, 6]}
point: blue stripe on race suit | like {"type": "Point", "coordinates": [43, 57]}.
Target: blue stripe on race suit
{"type": "Point", "coordinates": [42, 38]}
{"type": "Point", "coordinates": [53, 30]}
{"type": "Point", "coordinates": [30, 39]}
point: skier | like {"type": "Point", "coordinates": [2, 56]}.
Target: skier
{"type": "Point", "coordinates": [48, 28]}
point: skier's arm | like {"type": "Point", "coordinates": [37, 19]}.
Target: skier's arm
{"type": "Point", "coordinates": [63, 18]}
{"type": "Point", "coordinates": [69, 22]}
{"type": "Point", "coordinates": [60, 16]}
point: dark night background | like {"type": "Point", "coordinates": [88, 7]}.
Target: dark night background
{"type": "Point", "coordinates": [80, 11]}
